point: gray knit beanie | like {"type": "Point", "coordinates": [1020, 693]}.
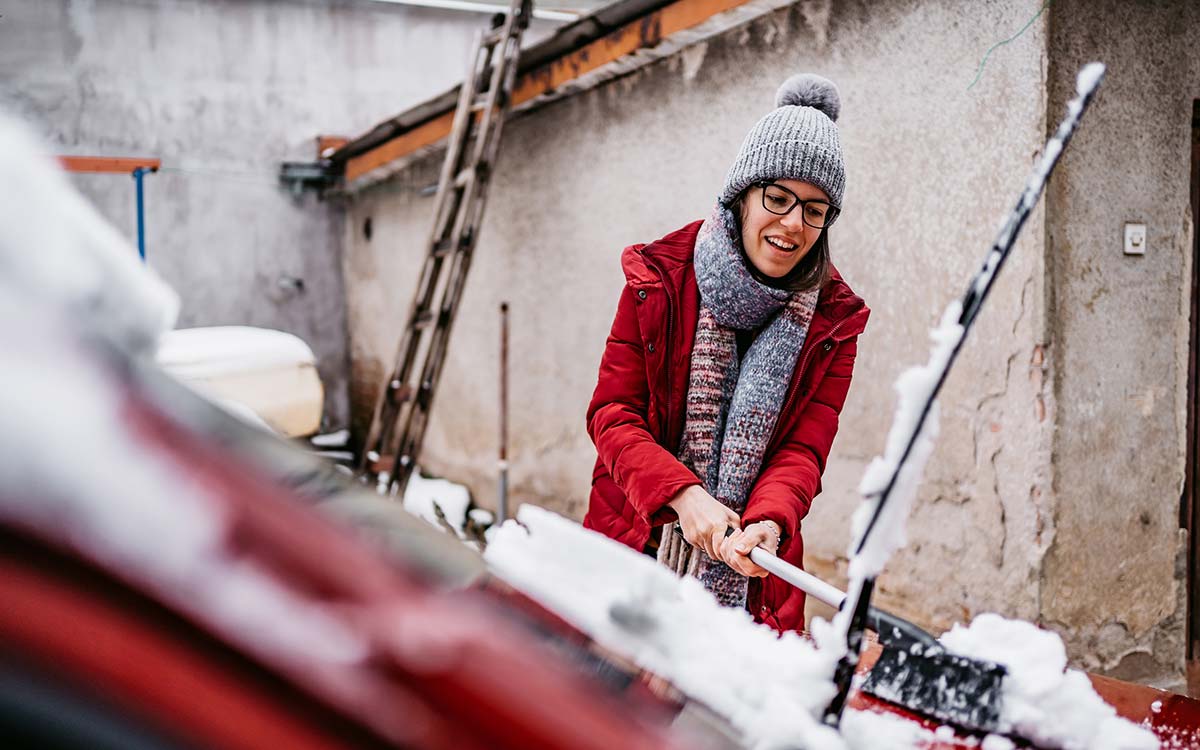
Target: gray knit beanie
{"type": "Point", "coordinates": [797, 141]}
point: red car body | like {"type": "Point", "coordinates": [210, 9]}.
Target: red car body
{"type": "Point", "coordinates": [99, 653]}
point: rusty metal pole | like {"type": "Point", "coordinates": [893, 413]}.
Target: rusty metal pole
{"type": "Point", "coordinates": [502, 505]}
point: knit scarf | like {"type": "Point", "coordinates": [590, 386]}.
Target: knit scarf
{"type": "Point", "coordinates": [732, 406]}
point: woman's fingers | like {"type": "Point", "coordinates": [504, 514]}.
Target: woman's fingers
{"type": "Point", "coordinates": [735, 550]}
{"type": "Point", "coordinates": [731, 556]}
{"type": "Point", "coordinates": [753, 536]}
{"type": "Point", "coordinates": [699, 534]}
{"type": "Point", "coordinates": [728, 547]}
{"type": "Point", "coordinates": [704, 520]}
{"type": "Point", "coordinates": [720, 532]}
{"type": "Point", "coordinates": [716, 538]}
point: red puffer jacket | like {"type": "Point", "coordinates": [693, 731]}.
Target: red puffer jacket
{"type": "Point", "coordinates": [637, 412]}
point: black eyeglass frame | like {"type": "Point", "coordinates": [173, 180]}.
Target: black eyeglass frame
{"type": "Point", "coordinates": [830, 215]}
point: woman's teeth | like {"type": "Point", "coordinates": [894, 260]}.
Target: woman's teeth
{"type": "Point", "coordinates": [781, 244]}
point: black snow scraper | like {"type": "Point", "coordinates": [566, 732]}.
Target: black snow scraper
{"type": "Point", "coordinates": [936, 683]}
{"type": "Point", "coordinates": [914, 670]}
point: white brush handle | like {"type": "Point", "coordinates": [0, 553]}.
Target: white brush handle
{"type": "Point", "coordinates": [806, 582]}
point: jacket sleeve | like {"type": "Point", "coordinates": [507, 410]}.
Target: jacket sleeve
{"type": "Point", "coordinates": [617, 422]}
{"type": "Point", "coordinates": [792, 477]}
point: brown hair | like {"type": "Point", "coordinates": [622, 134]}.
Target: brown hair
{"type": "Point", "coordinates": [810, 273]}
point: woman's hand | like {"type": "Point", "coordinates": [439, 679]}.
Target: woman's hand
{"type": "Point", "coordinates": [735, 549]}
{"type": "Point", "coordinates": [703, 518]}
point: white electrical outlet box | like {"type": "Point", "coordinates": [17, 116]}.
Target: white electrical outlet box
{"type": "Point", "coordinates": [1135, 239]}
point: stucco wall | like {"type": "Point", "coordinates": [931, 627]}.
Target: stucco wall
{"type": "Point", "coordinates": [932, 168]}
{"type": "Point", "coordinates": [1115, 576]}
{"type": "Point", "coordinates": [222, 92]}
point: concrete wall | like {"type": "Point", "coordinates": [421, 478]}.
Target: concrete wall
{"type": "Point", "coordinates": [932, 168]}
{"type": "Point", "coordinates": [1115, 576]}
{"type": "Point", "coordinates": [223, 91]}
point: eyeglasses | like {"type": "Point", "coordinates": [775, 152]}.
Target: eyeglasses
{"type": "Point", "coordinates": [777, 199]}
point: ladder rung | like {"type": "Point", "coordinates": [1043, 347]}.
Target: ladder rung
{"type": "Point", "coordinates": [492, 38]}
{"type": "Point", "coordinates": [481, 103]}
{"type": "Point", "coordinates": [377, 463]}
{"type": "Point", "coordinates": [400, 395]}
{"type": "Point", "coordinates": [461, 179]}
{"type": "Point", "coordinates": [424, 318]}
{"type": "Point", "coordinates": [441, 248]}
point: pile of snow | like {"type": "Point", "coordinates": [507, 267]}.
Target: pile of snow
{"type": "Point", "coordinates": [879, 731]}
{"type": "Point", "coordinates": [1043, 701]}
{"type": "Point", "coordinates": [771, 688]}
{"type": "Point", "coordinates": [774, 688]}
{"type": "Point", "coordinates": [422, 494]}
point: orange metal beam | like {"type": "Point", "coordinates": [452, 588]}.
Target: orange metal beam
{"type": "Point", "coordinates": [425, 134]}
{"type": "Point", "coordinates": [108, 164]}
{"type": "Point", "coordinates": [642, 33]}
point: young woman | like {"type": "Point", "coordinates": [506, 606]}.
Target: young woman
{"type": "Point", "coordinates": [728, 364]}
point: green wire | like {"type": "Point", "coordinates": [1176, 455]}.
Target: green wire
{"type": "Point", "coordinates": [979, 71]}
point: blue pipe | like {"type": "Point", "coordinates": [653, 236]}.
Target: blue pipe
{"type": "Point", "coordinates": [138, 174]}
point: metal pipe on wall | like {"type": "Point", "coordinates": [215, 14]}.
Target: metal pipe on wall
{"type": "Point", "coordinates": [502, 503]}
{"type": "Point", "coordinates": [138, 174]}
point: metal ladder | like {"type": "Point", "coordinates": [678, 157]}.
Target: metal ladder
{"type": "Point", "coordinates": [402, 409]}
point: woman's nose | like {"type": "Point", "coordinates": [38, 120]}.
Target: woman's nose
{"type": "Point", "coordinates": [793, 221]}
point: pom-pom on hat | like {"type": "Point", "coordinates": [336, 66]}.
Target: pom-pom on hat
{"type": "Point", "coordinates": [798, 140]}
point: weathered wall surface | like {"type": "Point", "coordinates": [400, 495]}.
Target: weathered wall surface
{"type": "Point", "coordinates": [1115, 577]}
{"type": "Point", "coordinates": [223, 92]}
{"type": "Point", "coordinates": [932, 168]}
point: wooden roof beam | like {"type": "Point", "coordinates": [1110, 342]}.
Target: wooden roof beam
{"type": "Point", "coordinates": [642, 33]}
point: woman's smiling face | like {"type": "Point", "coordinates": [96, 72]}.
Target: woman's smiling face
{"type": "Point", "coordinates": [774, 243]}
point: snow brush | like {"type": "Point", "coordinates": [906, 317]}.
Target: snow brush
{"type": "Point", "coordinates": [925, 691]}
{"type": "Point", "coordinates": [914, 670]}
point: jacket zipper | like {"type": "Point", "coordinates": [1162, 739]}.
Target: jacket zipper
{"type": "Point", "coordinates": [800, 377]}
{"type": "Point", "coordinates": [662, 277]}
